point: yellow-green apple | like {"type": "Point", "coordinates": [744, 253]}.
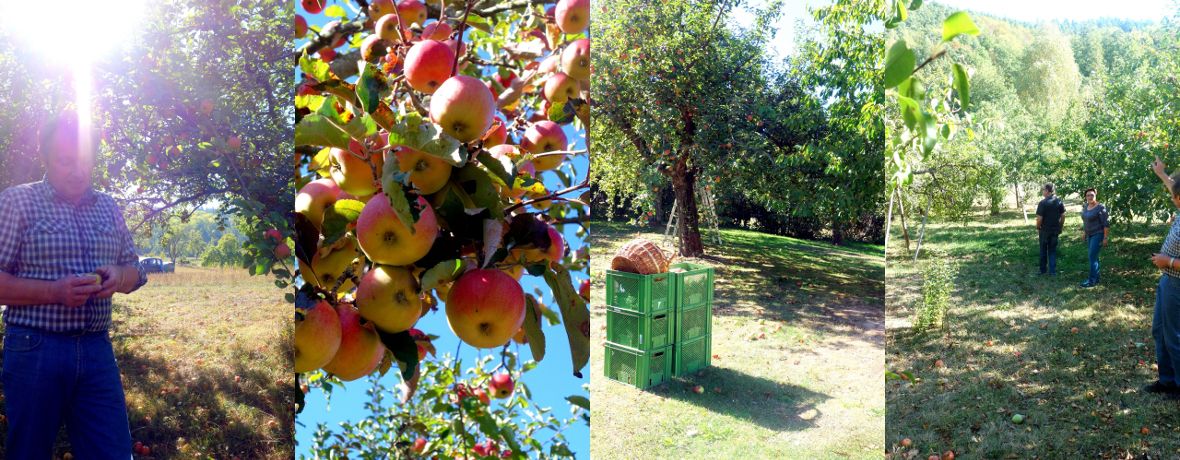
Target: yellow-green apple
{"type": "Point", "coordinates": [354, 175]}
{"type": "Point", "coordinates": [572, 16]}
{"type": "Point", "coordinates": [496, 135]}
{"type": "Point", "coordinates": [575, 60]}
{"type": "Point", "coordinates": [412, 12]}
{"type": "Point", "coordinates": [360, 349]}
{"type": "Point", "coordinates": [380, 8]}
{"type": "Point", "coordinates": [436, 31]}
{"type": "Point", "coordinates": [463, 107]}
{"type": "Point", "coordinates": [428, 65]}
{"type": "Point", "coordinates": [313, 6]}
{"type": "Point", "coordinates": [388, 296]}
{"type": "Point", "coordinates": [387, 240]}
{"type": "Point", "coordinates": [314, 197]}
{"type": "Point", "coordinates": [300, 26]}
{"type": "Point", "coordinates": [544, 136]}
{"type": "Point", "coordinates": [560, 88]}
{"type": "Point", "coordinates": [542, 205]}
{"type": "Point", "coordinates": [506, 154]}
{"type": "Point", "coordinates": [485, 308]}
{"type": "Point", "coordinates": [387, 29]}
{"type": "Point", "coordinates": [428, 173]}
{"type": "Point", "coordinates": [330, 263]}
{"type": "Point", "coordinates": [501, 385]}
{"type": "Point", "coordinates": [317, 337]}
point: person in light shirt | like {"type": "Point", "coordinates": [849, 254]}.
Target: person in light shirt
{"type": "Point", "coordinates": [1165, 323]}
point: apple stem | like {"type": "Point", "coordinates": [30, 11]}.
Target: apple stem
{"type": "Point", "coordinates": [459, 38]}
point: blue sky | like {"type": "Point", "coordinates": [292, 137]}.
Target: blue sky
{"type": "Point", "coordinates": [550, 382]}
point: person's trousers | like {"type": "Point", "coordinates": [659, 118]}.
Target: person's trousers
{"type": "Point", "coordinates": [51, 378]}
{"type": "Point", "coordinates": [1165, 328]}
{"type": "Point", "coordinates": [1094, 242]}
{"type": "Point", "coordinates": [1049, 252]}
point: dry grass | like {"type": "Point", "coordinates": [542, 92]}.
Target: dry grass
{"type": "Point", "coordinates": [798, 333]}
{"type": "Point", "coordinates": [207, 365]}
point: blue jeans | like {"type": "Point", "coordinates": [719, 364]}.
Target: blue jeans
{"type": "Point", "coordinates": [1095, 244]}
{"type": "Point", "coordinates": [1049, 252]}
{"type": "Point", "coordinates": [1165, 328]}
{"type": "Point", "coordinates": [52, 378]}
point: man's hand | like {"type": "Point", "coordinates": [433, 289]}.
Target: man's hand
{"type": "Point", "coordinates": [112, 276]}
{"type": "Point", "coordinates": [73, 291]}
{"type": "Point", "coordinates": [1161, 261]}
{"type": "Point", "coordinates": [1158, 167]}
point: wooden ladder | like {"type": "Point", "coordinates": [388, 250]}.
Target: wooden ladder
{"type": "Point", "coordinates": [705, 202]}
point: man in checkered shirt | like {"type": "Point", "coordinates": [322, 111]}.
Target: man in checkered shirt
{"type": "Point", "coordinates": [1165, 325]}
{"type": "Point", "coordinates": [59, 366]}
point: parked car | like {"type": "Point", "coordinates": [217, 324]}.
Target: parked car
{"type": "Point", "coordinates": [156, 265]}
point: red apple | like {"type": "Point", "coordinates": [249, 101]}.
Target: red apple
{"type": "Point", "coordinates": [501, 385]}
{"type": "Point", "coordinates": [428, 65]}
{"type": "Point", "coordinates": [437, 31]}
{"type": "Point", "coordinates": [482, 395]}
{"type": "Point", "coordinates": [373, 48]}
{"type": "Point", "coordinates": [463, 107]}
{"type": "Point", "coordinates": [412, 12]}
{"type": "Point", "coordinates": [496, 135]}
{"type": "Point", "coordinates": [360, 349]}
{"type": "Point", "coordinates": [313, 6]}
{"type": "Point", "coordinates": [485, 308]}
{"type": "Point", "coordinates": [505, 79]}
{"type": "Point", "coordinates": [206, 107]}
{"type": "Point", "coordinates": [273, 233]}
{"type": "Point", "coordinates": [544, 136]}
{"type": "Point", "coordinates": [316, 337]}
{"type": "Point", "coordinates": [234, 142]}
{"type": "Point", "coordinates": [327, 54]}
{"type": "Point", "coordinates": [584, 289]}
{"type": "Point", "coordinates": [282, 251]}
{"type": "Point", "coordinates": [419, 445]}
{"type": "Point", "coordinates": [575, 60]}
{"type": "Point", "coordinates": [387, 240]}
{"type": "Point", "coordinates": [300, 26]}
{"type": "Point", "coordinates": [572, 16]}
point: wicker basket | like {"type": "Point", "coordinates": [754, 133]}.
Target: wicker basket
{"type": "Point", "coordinates": [642, 257]}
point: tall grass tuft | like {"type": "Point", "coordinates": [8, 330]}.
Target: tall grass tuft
{"type": "Point", "coordinates": [938, 281]}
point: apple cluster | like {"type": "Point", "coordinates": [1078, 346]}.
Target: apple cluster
{"type": "Point", "coordinates": [374, 275]}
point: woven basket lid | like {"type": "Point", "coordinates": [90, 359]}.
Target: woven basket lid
{"type": "Point", "coordinates": [640, 256]}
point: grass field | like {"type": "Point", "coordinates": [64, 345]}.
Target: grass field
{"type": "Point", "coordinates": [207, 365]}
{"type": "Point", "coordinates": [1010, 347]}
{"type": "Point", "coordinates": [798, 336]}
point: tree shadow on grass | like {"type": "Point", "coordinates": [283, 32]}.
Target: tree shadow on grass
{"type": "Point", "coordinates": [772, 405]}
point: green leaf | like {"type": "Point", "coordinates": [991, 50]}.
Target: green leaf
{"type": "Point", "coordinates": [961, 85]}
{"type": "Point", "coordinates": [501, 169]}
{"type": "Point", "coordinates": [442, 272]}
{"type": "Point", "coordinates": [902, 15]}
{"type": "Point", "coordinates": [399, 202]}
{"type": "Point", "coordinates": [318, 70]}
{"type": "Point", "coordinates": [338, 216]}
{"type": "Point", "coordinates": [532, 328]}
{"type": "Point", "coordinates": [911, 113]}
{"type": "Point", "coordinates": [915, 4]}
{"type": "Point", "coordinates": [957, 24]}
{"type": "Point", "coordinates": [899, 64]}
{"type": "Point", "coordinates": [580, 401]}
{"type": "Point", "coordinates": [574, 314]}
{"type": "Point", "coordinates": [326, 127]}
{"type": "Point", "coordinates": [405, 351]}
{"type": "Point", "coordinates": [413, 131]}
{"type": "Point", "coordinates": [335, 11]}
{"type": "Point", "coordinates": [369, 87]}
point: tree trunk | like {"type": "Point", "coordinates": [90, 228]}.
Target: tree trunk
{"type": "Point", "coordinates": [837, 233]}
{"type": "Point", "coordinates": [684, 181]}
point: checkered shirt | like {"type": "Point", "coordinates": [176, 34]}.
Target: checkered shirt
{"type": "Point", "coordinates": [1171, 246]}
{"type": "Point", "coordinates": [44, 237]}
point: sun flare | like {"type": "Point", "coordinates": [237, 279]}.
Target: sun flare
{"type": "Point", "coordinates": [78, 29]}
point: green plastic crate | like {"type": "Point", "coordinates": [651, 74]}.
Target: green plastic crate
{"type": "Point", "coordinates": [694, 285]}
{"type": "Point", "coordinates": [693, 355]}
{"type": "Point", "coordinates": [647, 294]}
{"type": "Point", "coordinates": [643, 369]}
{"type": "Point", "coordinates": [692, 322]}
{"type": "Point", "coordinates": [641, 332]}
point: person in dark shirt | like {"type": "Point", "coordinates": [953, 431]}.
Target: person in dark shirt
{"type": "Point", "coordinates": [1096, 227]}
{"type": "Point", "coordinates": [1050, 220]}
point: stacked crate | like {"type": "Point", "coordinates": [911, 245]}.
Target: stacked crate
{"type": "Point", "coordinates": [658, 325]}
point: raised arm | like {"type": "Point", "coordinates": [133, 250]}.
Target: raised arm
{"type": "Point", "coordinates": [1161, 171]}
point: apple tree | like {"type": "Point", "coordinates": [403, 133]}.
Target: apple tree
{"type": "Point", "coordinates": [424, 137]}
